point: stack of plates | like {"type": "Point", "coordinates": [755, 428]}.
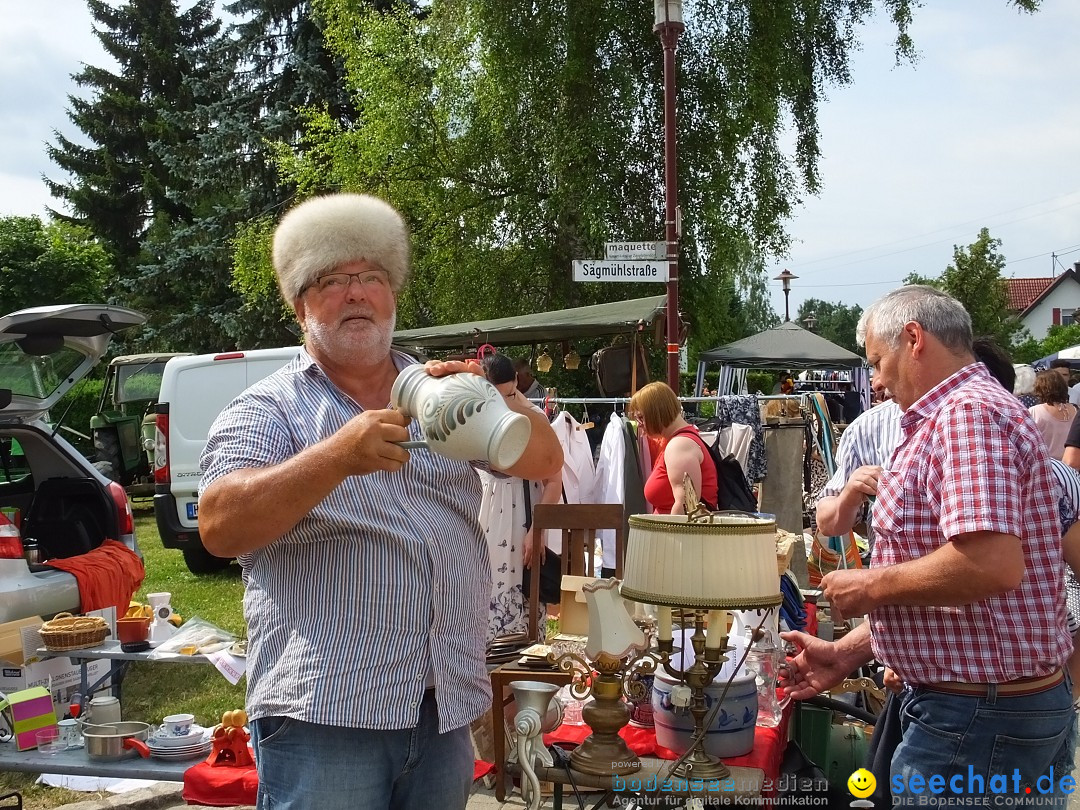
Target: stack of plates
{"type": "Point", "coordinates": [506, 648]}
{"type": "Point", "coordinates": [535, 657]}
{"type": "Point", "coordinates": [191, 746]}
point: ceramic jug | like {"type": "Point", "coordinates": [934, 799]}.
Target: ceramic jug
{"type": "Point", "coordinates": [103, 709]}
{"type": "Point", "coordinates": [462, 416]}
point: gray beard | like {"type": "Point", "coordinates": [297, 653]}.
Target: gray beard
{"type": "Point", "coordinates": [370, 346]}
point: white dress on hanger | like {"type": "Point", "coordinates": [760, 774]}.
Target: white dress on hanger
{"type": "Point", "coordinates": [502, 517]}
{"type": "Point", "coordinates": [610, 478]}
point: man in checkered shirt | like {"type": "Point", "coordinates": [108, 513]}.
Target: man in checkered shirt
{"type": "Point", "coordinates": [965, 588]}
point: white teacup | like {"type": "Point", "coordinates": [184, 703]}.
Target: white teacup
{"type": "Point", "coordinates": [178, 725]}
{"type": "Point", "coordinates": [462, 416]}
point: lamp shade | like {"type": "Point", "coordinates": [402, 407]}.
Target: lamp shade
{"type": "Point", "coordinates": [726, 563]}
{"type": "Point", "coordinates": [667, 11]}
{"type": "Point", "coordinates": [612, 631]}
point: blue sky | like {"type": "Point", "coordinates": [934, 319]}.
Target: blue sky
{"type": "Point", "coordinates": [983, 131]}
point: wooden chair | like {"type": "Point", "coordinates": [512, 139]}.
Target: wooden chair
{"type": "Point", "coordinates": [579, 523]}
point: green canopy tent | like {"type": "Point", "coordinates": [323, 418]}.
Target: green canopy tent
{"type": "Point", "coordinates": [598, 320]}
{"type": "Point", "coordinates": [787, 346]}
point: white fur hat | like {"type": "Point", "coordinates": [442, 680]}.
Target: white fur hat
{"type": "Point", "coordinates": [326, 232]}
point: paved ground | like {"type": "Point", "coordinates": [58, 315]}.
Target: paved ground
{"type": "Point", "coordinates": [167, 797]}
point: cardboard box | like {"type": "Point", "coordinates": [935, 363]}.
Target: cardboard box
{"type": "Point", "coordinates": [58, 675]}
{"type": "Point", "coordinates": [21, 668]}
{"type": "Point", "coordinates": [29, 711]}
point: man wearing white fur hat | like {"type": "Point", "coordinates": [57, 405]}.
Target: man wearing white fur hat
{"type": "Point", "coordinates": [366, 575]}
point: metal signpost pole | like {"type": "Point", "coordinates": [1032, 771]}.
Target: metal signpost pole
{"type": "Point", "coordinates": [668, 24]}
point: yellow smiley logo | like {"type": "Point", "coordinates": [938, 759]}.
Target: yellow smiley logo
{"type": "Point", "coordinates": [861, 783]}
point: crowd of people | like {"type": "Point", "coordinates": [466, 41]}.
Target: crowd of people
{"type": "Point", "coordinates": [307, 484]}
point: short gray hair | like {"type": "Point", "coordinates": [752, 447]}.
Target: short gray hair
{"type": "Point", "coordinates": [937, 312]}
{"type": "Point", "coordinates": [1025, 380]}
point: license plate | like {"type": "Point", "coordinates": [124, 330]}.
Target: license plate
{"type": "Point", "coordinates": [193, 510]}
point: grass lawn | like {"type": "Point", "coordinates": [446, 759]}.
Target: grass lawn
{"type": "Point", "coordinates": [153, 690]}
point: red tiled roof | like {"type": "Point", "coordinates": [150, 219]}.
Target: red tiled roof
{"type": "Point", "coordinates": [1023, 291]}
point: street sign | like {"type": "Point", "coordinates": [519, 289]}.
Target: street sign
{"type": "Point", "coordinates": [596, 270]}
{"type": "Point", "coordinates": [621, 251]}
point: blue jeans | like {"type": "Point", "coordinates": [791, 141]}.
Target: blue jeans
{"type": "Point", "coordinates": [991, 748]}
{"type": "Point", "coordinates": [304, 765]}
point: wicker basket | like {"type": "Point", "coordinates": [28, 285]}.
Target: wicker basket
{"type": "Point", "coordinates": [67, 632]}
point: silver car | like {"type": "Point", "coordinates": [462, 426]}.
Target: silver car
{"type": "Point", "coordinates": [52, 492]}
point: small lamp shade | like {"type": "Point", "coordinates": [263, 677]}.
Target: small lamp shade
{"type": "Point", "coordinates": [572, 360]}
{"type": "Point", "coordinates": [665, 11]}
{"type": "Point", "coordinates": [612, 632]}
{"type": "Point", "coordinates": [544, 362]}
{"type": "Point", "coordinates": [728, 563]}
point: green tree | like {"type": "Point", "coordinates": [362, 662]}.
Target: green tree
{"type": "Point", "coordinates": [1058, 337]}
{"type": "Point", "coordinates": [54, 263]}
{"type": "Point", "coordinates": [269, 66]}
{"type": "Point", "coordinates": [119, 184]}
{"type": "Point", "coordinates": [519, 137]}
{"type": "Point", "coordinates": [974, 279]}
{"type": "Point", "coordinates": [835, 322]}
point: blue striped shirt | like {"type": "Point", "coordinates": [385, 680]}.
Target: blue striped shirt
{"type": "Point", "coordinates": [870, 439]}
{"type": "Point", "coordinates": [380, 587]}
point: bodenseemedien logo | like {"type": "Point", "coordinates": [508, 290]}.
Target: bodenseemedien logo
{"type": "Point", "coordinates": [861, 784]}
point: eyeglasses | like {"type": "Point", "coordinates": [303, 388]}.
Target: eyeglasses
{"type": "Point", "coordinates": [338, 283]}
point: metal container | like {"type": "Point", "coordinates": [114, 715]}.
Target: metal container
{"type": "Point", "coordinates": [112, 741]}
{"type": "Point", "coordinates": [32, 552]}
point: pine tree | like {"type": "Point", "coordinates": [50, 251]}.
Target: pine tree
{"type": "Point", "coordinates": [118, 183]}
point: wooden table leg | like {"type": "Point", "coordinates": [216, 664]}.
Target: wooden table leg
{"type": "Point", "coordinates": [498, 733]}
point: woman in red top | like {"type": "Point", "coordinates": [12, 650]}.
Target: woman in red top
{"type": "Point", "coordinates": [659, 414]}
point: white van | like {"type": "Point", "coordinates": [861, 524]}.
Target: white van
{"type": "Point", "coordinates": [194, 390]}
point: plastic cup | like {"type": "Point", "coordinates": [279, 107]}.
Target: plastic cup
{"type": "Point", "coordinates": [49, 742]}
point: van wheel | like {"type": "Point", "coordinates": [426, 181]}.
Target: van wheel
{"type": "Point", "coordinates": [201, 561]}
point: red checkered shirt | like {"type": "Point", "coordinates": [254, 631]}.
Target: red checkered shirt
{"type": "Point", "coordinates": [971, 460]}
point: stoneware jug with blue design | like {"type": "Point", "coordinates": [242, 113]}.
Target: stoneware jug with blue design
{"type": "Point", "coordinates": [462, 416]}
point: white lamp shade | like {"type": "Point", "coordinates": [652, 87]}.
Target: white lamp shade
{"type": "Point", "coordinates": [611, 629]}
{"type": "Point", "coordinates": [727, 563]}
{"type": "Point", "coordinates": [667, 11]}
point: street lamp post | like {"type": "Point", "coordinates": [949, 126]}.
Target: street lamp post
{"type": "Point", "coordinates": [810, 321]}
{"type": "Point", "coordinates": [668, 25]}
{"type": "Point", "coordinates": [786, 278]}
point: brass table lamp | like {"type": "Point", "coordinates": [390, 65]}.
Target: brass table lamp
{"type": "Point", "coordinates": [701, 565]}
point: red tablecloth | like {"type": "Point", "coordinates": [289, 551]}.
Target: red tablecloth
{"type": "Point", "coordinates": [766, 756]}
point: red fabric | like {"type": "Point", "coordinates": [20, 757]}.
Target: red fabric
{"type": "Point", "coordinates": [658, 487]}
{"type": "Point", "coordinates": [481, 769]}
{"type": "Point", "coordinates": [220, 786]}
{"type": "Point", "coordinates": [811, 618]}
{"type": "Point", "coordinates": [108, 576]}
{"type": "Point", "coordinates": [767, 755]}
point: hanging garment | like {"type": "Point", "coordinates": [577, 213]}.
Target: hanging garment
{"type": "Point", "coordinates": [504, 520]}
{"type": "Point", "coordinates": [733, 440]}
{"type": "Point", "coordinates": [745, 410]}
{"type": "Point", "coordinates": [610, 475]}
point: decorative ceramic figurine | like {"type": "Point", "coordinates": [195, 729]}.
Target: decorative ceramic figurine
{"type": "Point", "coordinates": [462, 416]}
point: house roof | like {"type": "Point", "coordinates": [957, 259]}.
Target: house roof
{"type": "Point", "coordinates": [1024, 291]}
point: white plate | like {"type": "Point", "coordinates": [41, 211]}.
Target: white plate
{"type": "Point", "coordinates": [193, 737]}
{"type": "Point", "coordinates": [186, 750]}
{"type": "Point", "coordinates": [239, 649]}
{"type": "Point", "coordinates": [202, 752]}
